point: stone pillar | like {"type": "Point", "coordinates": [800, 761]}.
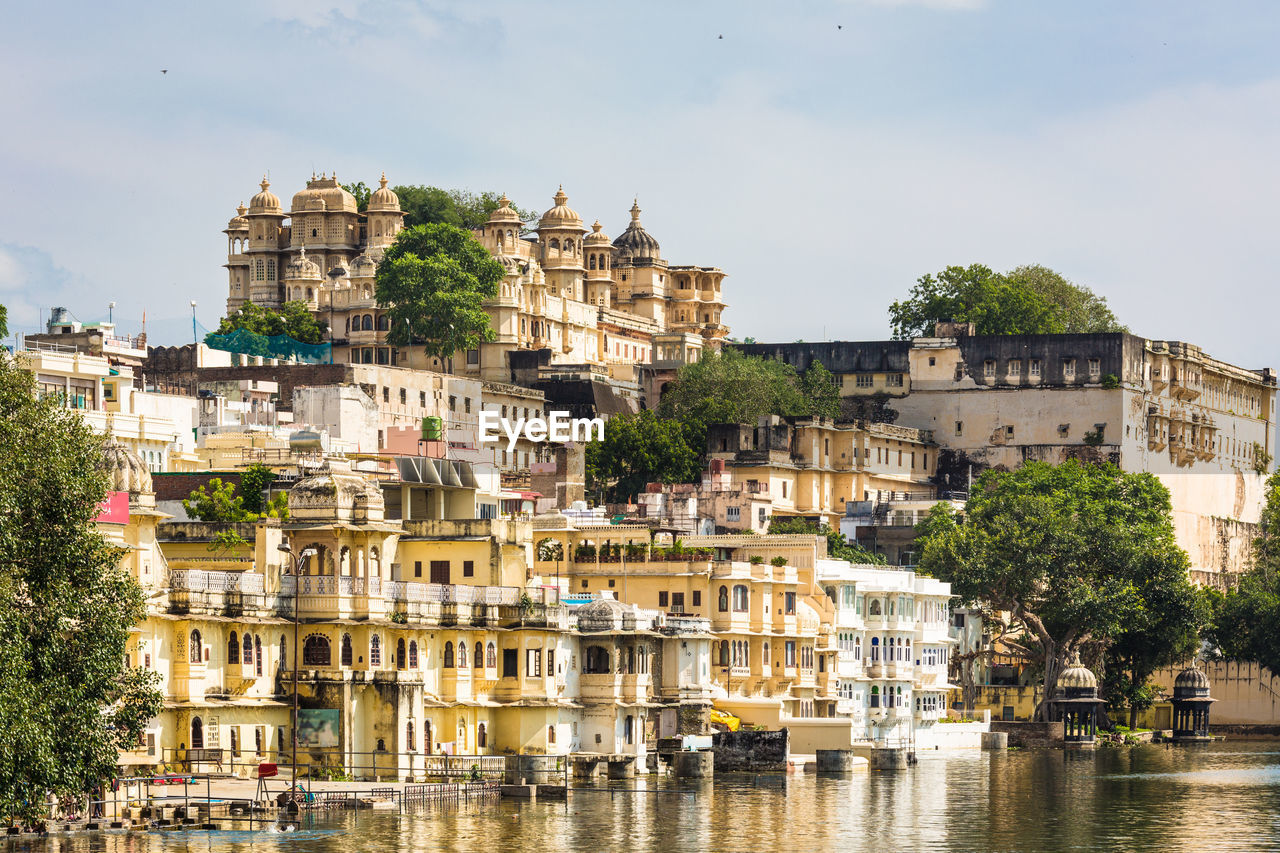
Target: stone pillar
{"type": "Point", "coordinates": [623, 768]}
{"type": "Point", "coordinates": [835, 760]}
{"type": "Point", "coordinates": [889, 758]}
{"type": "Point", "coordinates": [995, 740]}
{"type": "Point", "coordinates": [694, 765]}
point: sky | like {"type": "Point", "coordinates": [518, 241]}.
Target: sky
{"type": "Point", "coordinates": [824, 154]}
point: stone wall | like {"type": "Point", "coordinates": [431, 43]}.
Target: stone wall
{"type": "Point", "coordinates": [751, 751]}
{"type": "Point", "coordinates": [1030, 734]}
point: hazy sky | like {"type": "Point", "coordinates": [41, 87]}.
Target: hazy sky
{"type": "Point", "coordinates": [1131, 146]}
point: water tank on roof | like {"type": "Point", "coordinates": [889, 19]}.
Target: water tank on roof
{"type": "Point", "coordinates": [304, 440]}
{"type": "Point", "coordinates": [717, 466]}
{"type": "Point", "coordinates": [432, 428]}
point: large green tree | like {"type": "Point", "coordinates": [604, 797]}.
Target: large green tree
{"type": "Point", "coordinates": [1065, 557]}
{"type": "Point", "coordinates": [433, 281]}
{"type": "Point", "coordinates": [293, 319]}
{"type": "Point", "coordinates": [1246, 616]}
{"type": "Point", "coordinates": [639, 449]}
{"type": "Point", "coordinates": [432, 205]}
{"type": "Point", "coordinates": [1029, 300]}
{"type": "Point", "coordinates": [4, 322]}
{"type": "Point", "coordinates": [67, 705]}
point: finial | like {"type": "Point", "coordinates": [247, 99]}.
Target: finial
{"type": "Point", "coordinates": [382, 182]}
{"type": "Point", "coordinates": [241, 209]}
{"type": "Point", "coordinates": [597, 226]}
{"type": "Point", "coordinates": [265, 183]}
{"type": "Point", "coordinates": [560, 197]}
{"type": "Point", "coordinates": [635, 211]}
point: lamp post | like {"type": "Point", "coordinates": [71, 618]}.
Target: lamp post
{"type": "Point", "coordinates": [111, 313]}
{"type": "Point", "coordinates": [296, 570]}
{"type": "Point", "coordinates": [195, 339]}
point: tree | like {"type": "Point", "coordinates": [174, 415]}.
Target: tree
{"type": "Point", "coordinates": [1079, 309]}
{"type": "Point", "coordinates": [255, 480]}
{"type": "Point", "coordinates": [639, 449]}
{"type": "Point", "coordinates": [1029, 300]}
{"type": "Point", "coordinates": [975, 294]}
{"type": "Point", "coordinates": [463, 208]}
{"type": "Point", "coordinates": [729, 387]}
{"type": "Point", "coordinates": [434, 280]}
{"type": "Point", "coordinates": [218, 503]}
{"type": "Point", "coordinates": [361, 193]}
{"type": "Point", "coordinates": [4, 322]}
{"type": "Point", "coordinates": [1068, 555]}
{"type": "Point", "coordinates": [67, 706]}
{"type": "Point", "coordinates": [821, 391]}
{"type": "Point", "coordinates": [1245, 617]}
{"type": "Point", "coordinates": [293, 319]}
{"type": "Point", "coordinates": [838, 547]}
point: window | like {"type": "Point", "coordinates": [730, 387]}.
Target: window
{"type": "Point", "coordinates": [315, 650]}
{"type": "Point", "coordinates": [413, 654]}
{"type": "Point", "coordinates": [440, 571]}
{"type": "Point", "coordinates": [466, 405]}
{"type": "Point", "coordinates": [1035, 368]}
{"type": "Point", "coordinates": [448, 655]}
{"type": "Point", "coordinates": [233, 649]}
{"type": "Point", "coordinates": [453, 403]}
{"type": "Point", "coordinates": [697, 598]}
{"type": "Point", "coordinates": [789, 603]}
{"type": "Point", "coordinates": [989, 368]}
{"type": "Point", "coordinates": [491, 656]}
{"type": "Point", "coordinates": [386, 394]}
{"type": "Point", "coordinates": [1015, 367]}
{"type": "Point", "coordinates": [468, 568]}
{"type": "Point", "coordinates": [375, 651]}
{"type": "Point", "coordinates": [733, 513]}
{"type": "Point", "coordinates": [865, 380]}
{"type": "Point", "coordinates": [677, 602]}
{"type": "Point", "coordinates": [473, 356]}
{"type": "Point", "coordinates": [662, 598]}
{"type": "Point", "coordinates": [197, 648]}
{"type": "Point", "coordinates": [510, 663]}
{"type": "Point", "coordinates": [462, 655]}
{"type": "Point", "coordinates": [894, 380]}
{"type": "Point", "coordinates": [1068, 368]}
{"type": "Point", "coordinates": [1095, 368]}
{"type": "Point", "coordinates": [959, 427]}
{"type": "Point", "coordinates": [422, 399]}
{"type": "Point", "coordinates": [533, 663]}
{"type": "Point", "coordinates": [417, 568]}
{"type": "Point", "coordinates": [401, 656]}
{"type": "Point", "coordinates": [344, 654]}
{"type": "Point", "coordinates": [408, 736]}
{"type": "Point", "coordinates": [404, 399]}
{"type": "Point", "coordinates": [740, 599]}
{"type": "Point", "coordinates": [722, 603]}
{"type": "Point", "coordinates": [790, 651]}
{"type": "Point", "coordinates": [1008, 432]}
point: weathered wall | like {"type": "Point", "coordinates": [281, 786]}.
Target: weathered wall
{"type": "Point", "coordinates": [1246, 693]}
{"type": "Point", "coordinates": [751, 751]}
{"type": "Point", "coordinates": [1024, 734]}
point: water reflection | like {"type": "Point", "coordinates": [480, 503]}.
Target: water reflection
{"type": "Point", "coordinates": [1222, 797]}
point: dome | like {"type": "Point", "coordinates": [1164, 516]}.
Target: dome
{"type": "Point", "coordinates": [383, 199]}
{"type": "Point", "coordinates": [324, 193]}
{"type": "Point", "coordinates": [504, 214]}
{"type": "Point", "coordinates": [1191, 682]}
{"type": "Point", "coordinates": [636, 242]}
{"type": "Point", "coordinates": [364, 267]}
{"type": "Point", "coordinates": [302, 267]}
{"type": "Point", "coordinates": [239, 222]}
{"type": "Point", "coordinates": [1077, 676]}
{"type": "Point", "coordinates": [126, 470]}
{"type": "Point", "coordinates": [597, 237]}
{"type": "Point", "coordinates": [560, 216]}
{"type": "Point", "coordinates": [335, 494]}
{"type": "Point", "coordinates": [602, 614]}
{"type": "Point", "coordinates": [265, 201]}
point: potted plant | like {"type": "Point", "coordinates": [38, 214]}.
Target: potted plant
{"type": "Point", "coordinates": [778, 561]}
{"type": "Point", "coordinates": [756, 560]}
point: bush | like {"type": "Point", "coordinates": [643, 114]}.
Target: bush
{"type": "Point", "coordinates": [778, 561]}
{"type": "Point", "coordinates": [756, 559]}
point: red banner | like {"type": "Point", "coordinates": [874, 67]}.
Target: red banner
{"type": "Point", "coordinates": [115, 509]}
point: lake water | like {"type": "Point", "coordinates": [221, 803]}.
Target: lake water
{"type": "Point", "coordinates": [1218, 797]}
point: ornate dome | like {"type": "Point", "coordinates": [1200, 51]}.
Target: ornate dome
{"type": "Point", "coordinates": [1191, 679]}
{"type": "Point", "coordinates": [239, 222]}
{"type": "Point", "coordinates": [504, 214]}
{"type": "Point", "coordinates": [602, 614]}
{"type": "Point", "coordinates": [597, 237]}
{"type": "Point", "coordinates": [383, 199]}
{"type": "Point", "coordinates": [265, 201]}
{"type": "Point", "coordinates": [364, 267]}
{"type": "Point", "coordinates": [560, 216]}
{"type": "Point", "coordinates": [1077, 676]}
{"type": "Point", "coordinates": [302, 267]}
{"type": "Point", "coordinates": [636, 242]}
{"type": "Point", "coordinates": [324, 193]}
{"type": "Point", "coordinates": [336, 494]}
{"type": "Point", "coordinates": [127, 471]}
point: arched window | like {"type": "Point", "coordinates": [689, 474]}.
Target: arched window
{"type": "Point", "coordinates": [309, 292]}
{"type": "Point", "coordinates": [478, 660]}
{"type": "Point", "coordinates": [197, 648]}
{"type": "Point", "coordinates": [426, 736]}
{"type": "Point", "coordinates": [448, 655]}
{"type": "Point", "coordinates": [257, 647]}
{"type": "Point", "coordinates": [724, 654]}
{"type": "Point", "coordinates": [875, 697]}
{"type": "Point", "coordinates": [873, 609]}
{"type": "Point", "coordinates": [197, 733]}
{"type": "Point", "coordinates": [596, 660]}
{"type": "Point", "coordinates": [765, 657]}
{"type": "Point", "coordinates": [367, 323]}
{"type": "Point", "coordinates": [629, 728]}
{"type": "Point", "coordinates": [375, 651]}
{"type": "Point", "coordinates": [551, 734]}
{"type": "Point", "coordinates": [591, 262]}
{"type": "Point", "coordinates": [413, 654]}
{"type": "Point", "coordinates": [233, 649]}
{"type": "Point", "coordinates": [400, 654]}
{"type": "Point", "coordinates": [491, 656]}
{"type": "Point", "coordinates": [724, 599]}
{"type": "Point", "coordinates": [345, 653]}
{"type": "Point", "coordinates": [555, 244]}
{"type": "Point", "coordinates": [875, 649]}
{"type": "Point", "coordinates": [462, 655]}
{"type": "Point", "coordinates": [284, 651]}
{"type": "Point", "coordinates": [315, 650]}
{"type": "Point", "coordinates": [248, 651]}
{"type": "Point", "coordinates": [482, 736]}
{"type": "Point", "coordinates": [740, 599]}
{"type": "Point", "coordinates": [408, 737]}
{"type": "Point", "coordinates": [857, 648]}
{"type": "Point", "coordinates": [383, 323]}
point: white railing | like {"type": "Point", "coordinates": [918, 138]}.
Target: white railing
{"type": "Point", "coordinates": [453, 594]}
{"type": "Point", "coordinates": [203, 581]}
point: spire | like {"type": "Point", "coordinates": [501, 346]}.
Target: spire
{"type": "Point", "coordinates": [265, 183]}
{"type": "Point", "coordinates": [560, 197]}
{"type": "Point", "coordinates": [635, 211]}
{"type": "Point", "coordinates": [241, 209]}
{"type": "Point", "coordinates": [382, 182]}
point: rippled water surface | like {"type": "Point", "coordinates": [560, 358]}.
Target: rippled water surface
{"type": "Point", "coordinates": [1220, 797]}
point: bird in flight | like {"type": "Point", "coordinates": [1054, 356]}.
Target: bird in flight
{"type": "Point", "coordinates": [164, 70]}
{"type": "Point", "coordinates": [839, 26]}
{"type": "Point", "coordinates": [721, 36]}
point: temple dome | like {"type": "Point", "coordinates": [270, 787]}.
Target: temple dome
{"type": "Point", "coordinates": [384, 199]}
{"type": "Point", "coordinates": [265, 201]}
{"type": "Point", "coordinates": [126, 470]}
{"type": "Point", "coordinates": [635, 242]}
{"type": "Point", "coordinates": [561, 216]}
{"type": "Point", "coordinates": [504, 213]}
{"type": "Point", "coordinates": [302, 267]}
{"type": "Point", "coordinates": [326, 194]}
{"type": "Point", "coordinates": [1191, 678]}
{"type": "Point", "coordinates": [1077, 676]}
{"type": "Point", "coordinates": [602, 614]}
{"type": "Point", "coordinates": [364, 267]}
{"type": "Point", "coordinates": [597, 237]}
{"type": "Point", "coordinates": [239, 222]}
{"type": "Point", "coordinates": [336, 493]}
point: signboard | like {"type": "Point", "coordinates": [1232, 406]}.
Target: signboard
{"type": "Point", "coordinates": [115, 509]}
{"type": "Point", "coordinates": [318, 727]}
